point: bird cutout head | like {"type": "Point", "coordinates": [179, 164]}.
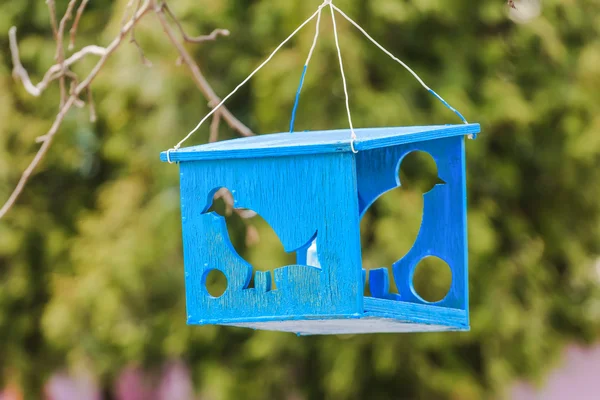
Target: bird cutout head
{"type": "Point", "coordinates": [223, 205]}
{"type": "Point", "coordinates": [418, 172]}
{"type": "Point", "coordinates": [226, 207]}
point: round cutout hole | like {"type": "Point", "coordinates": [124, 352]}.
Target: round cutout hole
{"type": "Point", "coordinates": [432, 279]}
{"type": "Point", "coordinates": [216, 283]}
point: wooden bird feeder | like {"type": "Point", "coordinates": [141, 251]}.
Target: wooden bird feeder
{"type": "Point", "coordinates": [313, 190]}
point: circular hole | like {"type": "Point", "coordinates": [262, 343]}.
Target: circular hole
{"type": "Point", "coordinates": [216, 283]}
{"type": "Point", "coordinates": [432, 279]}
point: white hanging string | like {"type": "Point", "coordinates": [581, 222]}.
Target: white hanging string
{"type": "Point", "coordinates": [314, 44]}
{"type": "Point", "coordinates": [400, 62]}
{"type": "Point", "coordinates": [178, 145]}
{"type": "Point", "coordinates": [318, 15]}
{"type": "Point", "coordinates": [339, 51]}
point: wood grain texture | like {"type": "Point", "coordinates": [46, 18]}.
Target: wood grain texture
{"type": "Point", "coordinates": [443, 227]}
{"type": "Point", "coordinates": [324, 206]}
{"type": "Point", "coordinates": [317, 142]}
{"type": "Point", "coordinates": [312, 190]}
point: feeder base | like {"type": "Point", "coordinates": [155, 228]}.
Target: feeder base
{"type": "Point", "coordinates": [380, 316]}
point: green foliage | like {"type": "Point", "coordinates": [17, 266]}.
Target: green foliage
{"type": "Point", "coordinates": [90, 258]}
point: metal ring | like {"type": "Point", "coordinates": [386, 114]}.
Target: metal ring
{"type": "Point", "coordinates": [169, 157]}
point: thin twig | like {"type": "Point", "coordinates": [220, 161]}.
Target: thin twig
{"type": "Point", "coordinates": [145, 60]}
{"type": "Point", "coordinates": [214, 128]}
{"type": "Point", "coordinates": [61, 71]}
{"type": "Point", "coordinates": [74, 82]}
{"type": "Point", "coordinates": [53, 72]}
{"type": "Point", "coordinates": [60, 50]}
{"type": "Point", "coordinates": [18, 70]}
{"type": "Point", "coordinates": [205, 38]}
{"type": "Point", "coordinates": [73, 31]}
{"type": "Point", "coordinates": [66, 107]}
{"type": "Point", "coordinates": [198, 39]}
{"type": "Point", "coordinates": [125, 14]}
{"type": "Point", "coordinates": [133, 41]}
{"type": "Point", "coordinates": [199, 79]}
{"type": "Point", "coordinates": [52, 10]}
{"type": "Point", "coordinates": [61, 29]}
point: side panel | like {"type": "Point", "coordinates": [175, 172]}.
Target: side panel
{"type": "Point", "coordinates": [302, 198]}
{"type": "Point", "coordinates": [443, 231]}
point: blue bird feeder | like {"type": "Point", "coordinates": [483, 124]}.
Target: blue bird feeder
{"type": "Point", "coordinates": [313, 189]}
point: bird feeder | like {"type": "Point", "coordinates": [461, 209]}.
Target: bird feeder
{"type": "Point", "coordinates": [312, 189]}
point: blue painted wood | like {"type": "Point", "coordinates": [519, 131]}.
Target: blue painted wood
{"type": "Point", "coordinates": [317, 142]}
{"type": "Point", "coordinates": [379, 284]}
{"type": "Point", "coordinates": [312, 191]}
{"type": "Point", "coordinates": [443, 227]}
{"type": "Point", "coordinates": [323, 206]}
{"type": "Point", "coordinates": [457, 319]}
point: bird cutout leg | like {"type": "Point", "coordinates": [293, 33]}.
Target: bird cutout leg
{"type": "Point", "coordinates": [262, 281]}
{"type": "Point", "coordinates": [379, 284]}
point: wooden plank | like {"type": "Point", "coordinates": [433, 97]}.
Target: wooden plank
{"type": "Point", "coordinates": [304, 198]}
{"type": "Point", "coordinates": [317, 142]}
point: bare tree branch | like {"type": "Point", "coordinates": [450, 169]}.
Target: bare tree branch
{"type": "Point", "coordinates": [199, 39]}
{"type": "Point", "coordinates": [214, 127]}
{"type": "Point", "coordinates": [52, 10]}
{"type": "Point", "coordinates": [74, 82]}
{"type": "Point", "coordinates": [205, 38]}
{"type": "Point", "coordinates": [143, 57]}
{"type": "Point", "coordinates": [126, 12]}
{"type": "Point", "coordinates": [199, 79]}
{"type": "Point", "coordinates": [67, 106]}
{"type": "Point", "coordinates": [145, 60]}
{"type": "Point", "coordinates": [73, 31]}
{"type": "Point", "coordinates": [18, 70]}
{"type": "Point", "coordinates": [53, 72]}
{"type": "Point", "coordinates": [60, 50]}
{"type": "Point", "coordinates": [61, 71]}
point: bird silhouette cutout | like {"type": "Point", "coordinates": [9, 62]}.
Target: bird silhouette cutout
{"type": "Point", "coordinates": [251, 235]}
{"type": "Point", "coordinates": [396, 215]}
